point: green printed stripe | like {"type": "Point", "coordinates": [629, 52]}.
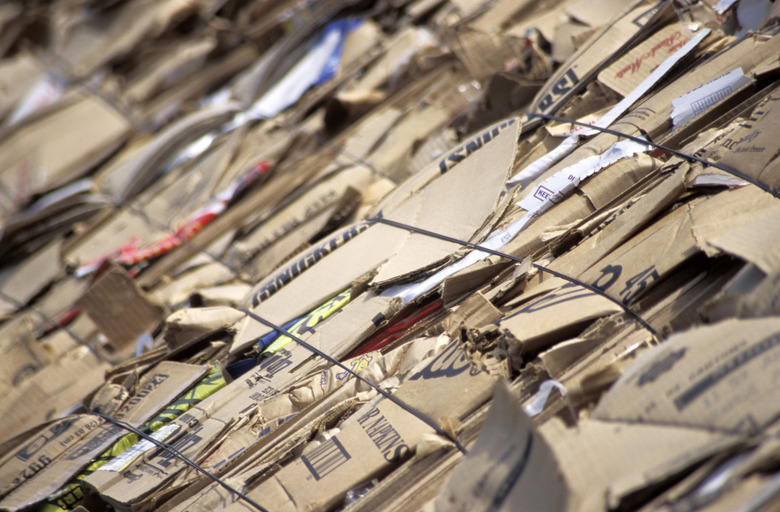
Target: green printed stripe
{"type": "Point", "coordinates": [70, 495]}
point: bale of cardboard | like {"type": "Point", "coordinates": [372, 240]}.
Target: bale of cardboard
{"type": "Point", "coordinates": [405, 255]}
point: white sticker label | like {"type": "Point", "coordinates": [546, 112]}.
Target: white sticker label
{"type": "Point", "coordinates": [127, 457]}
{"type": "Point", "coordinates": [694, 102]}
{"type": "Point", "coordinates": [556, 187]}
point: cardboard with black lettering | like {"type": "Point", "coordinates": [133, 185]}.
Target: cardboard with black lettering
{"type": "Point", "coordinates": [389, 158]}
{"type": "Point", "coordinates": [121, 483]}
{"type": "Point", "coordinates": [509, 467]}
{"type": "Point", "coordinates": [748, 146]}
{"type": "Point", "coordinates": [206, 425]}
{"type": "Point", "coordinates": [41, 448]}
{"type": "Point", "coordinates": [328, 391]}
{"type": "Point", "coordinates": [331, 381]}
{"type": "Point", "coordinates": [629, 270]}
{"type": "Point", "coordinates": [280, 437]}
{"type": "Point", "coordinates": [450, 158]}
{"type": "Point", "coordinates": [157, 388]}
{"type": "Point", "coordinates": [377, 435]}
{"type": "Point", "coordinates": [312, 229]}
{"type": "Point", "coordinates": [312, 202]}
{"type": "Point", "coordinates": [294, 431]}
{"type": "Point", "coordinates": [217, 442]}
{"type": "Point", "coordinates": [448, 204]}
{"type": "Point", "coordinates": [556, 203]}
{"type": "Point", "coordinates": [632, 268]}
{"type": "Point", "coordinates": [696, 394]}
{"type": "Point", "coordinates": [723, 382]}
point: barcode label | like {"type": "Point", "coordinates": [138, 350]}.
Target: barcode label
{"type": "Point", "coordinates": [326, 458]}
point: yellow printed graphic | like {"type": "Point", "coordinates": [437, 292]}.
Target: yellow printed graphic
{"type": "Point", "coordinates": [310, 321]}
{"type": "Point", "coordinates": [356, 365]}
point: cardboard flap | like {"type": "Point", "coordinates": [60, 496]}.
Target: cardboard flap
{"type": "Point", "coordinates": [377, 435]}
{"type": "Point", "coordinates": [509, 467]}
{"type": "Point", "coordinates": [38, 450]}
{"type": "Point", "coordinates": [120, 308]}
{"type": "Point", "coordinates": [333, 273]}
{"type": "Point", "coordinates": [587, 59]}
{"type": "Point", "coordinates": [432, 386]}
{"type": "Point", "coordinates": [55, 149]}
{"type": "Point", "coordinates": [23, 281]}
{"type": "Point", "coordinates": [451, 205]}
{"type": "Point", "coordinates": [620, 225]}
{"type": "Point", "coordinates": [556, 315]}
{"type": "Point", "coordinates": [750, 242]}
{"type": "Point", "coordinates": [626, 73]}
{"type": "Point", "coordinates": [635, 266]}
{"type": "Point", "coordinates": [729, 211]}
{"type": "Point", "coordinates": [720, 377]}
{"type": "Point", "coordinates": [90, 48]}
{"type": "Point", "coordinates": [137, 172]}
{"type": "Point", "coordinates": [752, 144]}
{"type": "Point", "coordinates": [600, 459]}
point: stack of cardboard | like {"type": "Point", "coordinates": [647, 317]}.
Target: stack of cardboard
{"type": "Point", "coordinates": [406, 255]}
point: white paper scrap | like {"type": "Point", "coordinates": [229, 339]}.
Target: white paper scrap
{"type": "Point", "coordinates": [556, 187]}
{"type": "Point", "coordinates": [694, 102]}
{"type": "Point", "coordinates": [297, 80]}
{"type": "Point", "coordinates": [537, 167]}
{"type": "Point", "coordinates": [648, 82]}
{"type": "Point", "coordinates": [536, 405]}
{"type": "Point", "coordinates": [724, 5]}
{"type": "Point", "coordinates": [537, 201]}
{"type": "Point", "coordinates": [43, 94]}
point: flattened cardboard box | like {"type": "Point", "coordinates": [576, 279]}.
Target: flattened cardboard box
{"type": "Point", "coordinates": [120, 309]}
{"type": "Point", "coordinates": [378, 434]}
{"type": "Point", "coordinates": [156, 389]}
{"type": "Point", "coordinates": [379, 244]}
{"type": "Point", "coordinates": [206, 423]}
{"type": "Point", "coordinates": [722, 382]}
